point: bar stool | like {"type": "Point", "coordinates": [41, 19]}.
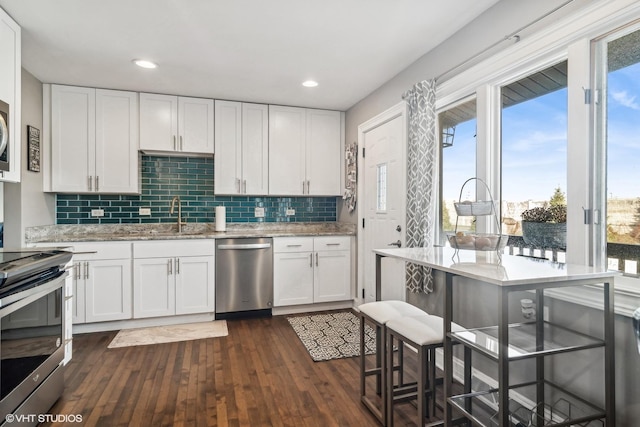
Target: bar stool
{"type": "Point", "coordinates": [424, 333]}
{"type": "Point", "coordinates": [378, 313]}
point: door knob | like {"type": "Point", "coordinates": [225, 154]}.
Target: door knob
{"type": "Point", "coordinates": [398, 243]}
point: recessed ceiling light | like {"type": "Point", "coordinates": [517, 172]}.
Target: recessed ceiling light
{"type": "Point", "coordinates": [310, 83]}
{"type": "Point", "coordinates": [144, 63]}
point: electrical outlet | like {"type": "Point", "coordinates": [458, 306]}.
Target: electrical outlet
{"type": "Point", "coordinates": [290, 212]}
{"type": "Point", "coordinates": [144, 211]}
{"type": "Point", "coordinates": [97, 212]}
{"type": "Point", "coordinates": [545, 313]}
{"type": "Point", "coordinates": [258, 212]}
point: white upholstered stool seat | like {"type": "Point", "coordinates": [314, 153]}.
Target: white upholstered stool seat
{"type": "Point", "coordinates": [378, 313]}
{"type": "Point", "coordinates": [425, 333]}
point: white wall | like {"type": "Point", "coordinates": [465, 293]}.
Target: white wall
{"type": "Point", "coordinates": [503, 19]}
{"type": "Point", "coordinates": [25, 205]}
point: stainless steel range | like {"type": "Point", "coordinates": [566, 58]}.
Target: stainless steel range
{"type": "Point", "coordinates": [32, 325]}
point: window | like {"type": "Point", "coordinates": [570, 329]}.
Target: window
{"type": "Point", "coordinates": [381, 195]}
{"type": "Point", "coordinates": [458, 144]}
{"type": "Point", "coordinates": [534, 145]}
{"type": "Point", "coordinates": [620, 142]}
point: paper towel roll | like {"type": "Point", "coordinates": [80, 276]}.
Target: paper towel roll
{"type": "Point", "coordinates": [221, 218]}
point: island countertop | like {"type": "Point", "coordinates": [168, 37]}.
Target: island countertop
{"type": "Point", "coordinates": [168, 231]}
{"type": "Point", "coordinates": [507, 270]}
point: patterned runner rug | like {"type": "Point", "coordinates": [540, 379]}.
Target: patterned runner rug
{"type": "Point", "coordinates": [332, 336]}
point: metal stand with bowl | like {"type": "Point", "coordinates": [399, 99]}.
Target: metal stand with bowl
{"type": "Point", "coordinates": [477, 241]}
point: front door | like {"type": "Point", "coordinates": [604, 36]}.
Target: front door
{"type": "Point", "coordinates": [383, 190]}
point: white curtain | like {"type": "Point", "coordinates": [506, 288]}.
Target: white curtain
{"type": "Point", "coordinates": [421, 179]}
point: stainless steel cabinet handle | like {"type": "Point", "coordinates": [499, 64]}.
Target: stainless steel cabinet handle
{"type": "Point", "coordinates": [238, 185]}
{"type": "Point", "coordinates": [86, 270]}
{"type": "Point", "coordinates": [308, 187]}
{"type": "Point", "coordinates": [175, 147]}
{"type": "Point", "coordinates": [77, 268]}
{"type": "Point", "coordinates": [180, 142]}
{"type": "Point", "coordinates": [90, 179]}
{"type": "Point", "coordinates": [177, 265]}
{"type": "Point", "coordinates": [293, 246]}
{"type": "Point", "coordinates": [97, 183]}
{"type": "Point", "coordinates": [170, 266]}
{"type": "Point", "coordinates": [316, 259]}
{"type": "Point", "coordinates": [310, 260]}
{"type": "Point", "coordinates": [302, 187]}
{"type": "Point", "coordinates": [244, 186]}
{"type": "Point", "coordinates": [333, 244]}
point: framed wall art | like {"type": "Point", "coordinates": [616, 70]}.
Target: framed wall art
{"type": "Point", "coordinates": [33, 149]}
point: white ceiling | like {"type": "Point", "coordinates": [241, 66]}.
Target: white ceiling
{"type": "Point", "coordinates": [246, 50]}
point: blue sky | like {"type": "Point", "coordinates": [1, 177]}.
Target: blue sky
{"type": "Point", "coordinates": [534, 153]}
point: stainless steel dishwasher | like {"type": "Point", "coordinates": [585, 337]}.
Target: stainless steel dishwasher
{"type": "Point", "coordinates": [244, 277]}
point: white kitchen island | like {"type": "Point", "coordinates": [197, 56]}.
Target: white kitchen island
{"type": "Point", "coordinates": [508, 342]}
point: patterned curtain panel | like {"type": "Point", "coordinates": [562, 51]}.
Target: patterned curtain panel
{"type": "Point", "coordinates": [421, 178]}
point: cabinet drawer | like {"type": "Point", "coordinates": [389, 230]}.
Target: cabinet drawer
{"type": "Point", "coordinates": [87, 251]}
{"type": "Point", "coordinates": [293, 244]}
{"type": "Point", "coordinates": [332, 243]}
{"type": "Point", "coordinates": [173, 248]}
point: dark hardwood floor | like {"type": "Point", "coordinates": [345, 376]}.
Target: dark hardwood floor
{"type": "Point", "coordinates": [258, 375]}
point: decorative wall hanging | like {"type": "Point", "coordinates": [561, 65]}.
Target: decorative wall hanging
{"type": "Point", "coordinates": [33, 158]}
{"type": "Point", "coordinates": [351, 175]}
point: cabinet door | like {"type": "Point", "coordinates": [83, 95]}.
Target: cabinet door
{"type": "Point", "coordinates": [287, 131]}
{"type": "Point", "coordinates": [153, 287]}
{"type": "Point", "coordinates": [72, 138]}
{"type": "Point", "coordinates": [158, 122]}
{"type": "Point", "coordinates": [228, 148]}
{"type": "Point", "coordinates": [116, 141]}
{"type": "Point", "coordinates": [195, 284]}
{"type": "Point", "coordinates": [108, 290]}
{"type": "Point", "coordinates": [292, 278]}
{"type": "Point", "coordinates": [255, 149]}
{"type": "Point", "coordinates": [324, 159]}
{"type": "Point", "coordinates": [195, 125]}
{"type": "Point", "coordinates": [332, 276]}
{"type": "Point", "coordinates": [10, 92]}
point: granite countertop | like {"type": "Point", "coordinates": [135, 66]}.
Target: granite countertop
{"type": "Point", "coordinates": [168, 231]}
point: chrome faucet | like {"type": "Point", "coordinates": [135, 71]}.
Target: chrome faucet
{"type": "Point", "coordinates": [173, 204]}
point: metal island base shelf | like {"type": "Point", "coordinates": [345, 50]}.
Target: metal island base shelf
{"type": "Point", "coordinates": [508, 342]}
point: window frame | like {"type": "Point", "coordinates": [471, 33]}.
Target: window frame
{"type": "Point", "coordinates": [572, 39]}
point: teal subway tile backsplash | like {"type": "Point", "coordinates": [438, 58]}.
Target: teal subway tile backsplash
{"type": "Point", "coordinates": [190, 178]}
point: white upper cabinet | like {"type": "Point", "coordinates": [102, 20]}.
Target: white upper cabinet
{"type": "Point", "coordinates": [94, 140]}
{"type": "Point", "coordinates": [176, 124]}
{"type": "Point", "coordinates": [10, 92]}
{"type": "Point", "coordinates": [304, 151]}
{"type": "Point", "coordinates": [241, 147]}
{"type": "Point", "coordinates": [116, 152]}
{"type": "Point", "coordinates": [324, 154]}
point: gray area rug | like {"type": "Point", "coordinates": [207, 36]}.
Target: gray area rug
{"type": "Point", "coordinates": [332, 336]}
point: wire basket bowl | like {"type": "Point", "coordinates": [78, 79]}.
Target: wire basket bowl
{"type": "Point", "coordinates": [482, 207]}
{"type": "Point", "coordinates": [478, 241]}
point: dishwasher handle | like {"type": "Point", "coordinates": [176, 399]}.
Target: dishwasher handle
{"type": "Point", "coordinates": [245, 246]}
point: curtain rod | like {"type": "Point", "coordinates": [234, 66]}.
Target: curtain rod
{"type": "Point", "coordinates": [513, 35]}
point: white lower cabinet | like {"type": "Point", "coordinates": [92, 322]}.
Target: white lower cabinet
{"type": "Point", "coordinates": [310, 270]}
{"type": "Point", "coordinates": [173, 277]}
{"type": "Point", "coordinates": [102, 288]}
